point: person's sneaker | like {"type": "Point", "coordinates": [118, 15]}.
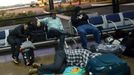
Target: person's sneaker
{"type": "Point", "coordinates": [16, 61]}
{"type": "Point", "coordinates": [27, 63]}
{"type": "Point", "coordinates": [36, 65]}
{"type": "Point", "coordinates": [32, 71]}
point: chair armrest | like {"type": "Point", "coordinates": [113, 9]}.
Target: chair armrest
{"type": "Point", "coordinates": [113, 24]}
{"type": "Point", "coordinates": [129, 20]}
{"type": "Point", "coordinates": [75, 29]}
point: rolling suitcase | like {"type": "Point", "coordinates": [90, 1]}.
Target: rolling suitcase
{"type": "Point", "coordinates": [108, 64]}
{"type": "Point", "coordinates": [28, 56]}
{"type": "Point", "coordinates": [27, 52]}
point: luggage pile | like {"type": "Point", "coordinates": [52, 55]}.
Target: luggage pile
{"type": "Point", "coordinates": [125, 40]}
{"type": "Point", "coordinates": [109, 63]}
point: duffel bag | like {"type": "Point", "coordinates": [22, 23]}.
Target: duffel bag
{"type": "Point", "coordinates": [108, 48]}
{"type": "Point", "coordinates": [108, 64]}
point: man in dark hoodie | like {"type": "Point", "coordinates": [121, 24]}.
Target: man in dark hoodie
{"type": "Point", "coordinates": [15, 39]}
{"type": "Point", "coordinates": [80, 21]}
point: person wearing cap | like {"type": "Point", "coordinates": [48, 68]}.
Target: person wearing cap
{"type": "Point", "coordinates": [80, 21]}
{"type": "Point", "coordinates": [54, 27]}
{"type": "Point", "coordinates": [15, 38]}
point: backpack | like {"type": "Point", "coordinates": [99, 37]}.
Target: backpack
{"type": "Point", "coordinates": [128, 43]}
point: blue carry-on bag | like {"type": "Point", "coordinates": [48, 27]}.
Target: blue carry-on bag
{"type": "Point", "coordinates": [108, 64]}
{"type": "Point", "coordinates": [74, 70]}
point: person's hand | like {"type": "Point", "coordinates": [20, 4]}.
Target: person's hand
{"type": "Point", "coordinates": [21, 49]}
{"type": "Point", "coordinates": [80, 17]}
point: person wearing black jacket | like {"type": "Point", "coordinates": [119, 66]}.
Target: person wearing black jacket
{"type": "Point", "coordinates": [36, 30]}
{"type": "Point", "coordinates": [80, 21]}
{"type": "Point", "coordinates": [15, 39]}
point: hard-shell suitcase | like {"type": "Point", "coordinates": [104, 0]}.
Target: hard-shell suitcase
{"type": "Point", "coordinates": [108, 64]}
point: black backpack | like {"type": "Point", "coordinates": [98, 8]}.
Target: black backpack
{"type": "Point", "coordinates": [128, 43]}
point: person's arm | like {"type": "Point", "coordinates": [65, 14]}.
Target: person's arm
{"type": "Point", "coordinates": [44, 21]}
{"type": "Point", "coordinates": [85, 16]}
{"type": "Point", "coordinates": [60, 24]}
{"type": "Point", "coordinates": [19, 30]}
{"type": "Point", "coordinates": [74, 20]}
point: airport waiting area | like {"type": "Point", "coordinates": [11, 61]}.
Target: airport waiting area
{"type": "Point", "coordinates": [113, 56]}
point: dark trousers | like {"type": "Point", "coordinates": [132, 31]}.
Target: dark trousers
{"type": "Point", "coordinates": [59, 35]}
{"type": "Point", "coordinates": [59, 64]}
{"type": "Point", "coordinates": [15, 45]}
{"type": "Point", "coordinates": [57, 67]}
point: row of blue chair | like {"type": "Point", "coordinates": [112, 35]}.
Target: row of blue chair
{"type": "Point", "coordinates": [122, 20]}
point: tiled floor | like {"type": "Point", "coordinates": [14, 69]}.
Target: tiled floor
{"type": "Point", "coordinates": [45, 56]}
{"type": "Point", "coordinates": [39, 53]}
{"type": "Point", "coordinates": [7, 67]}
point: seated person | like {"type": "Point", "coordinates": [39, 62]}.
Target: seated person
{"type": "Point", "coordinates": [36, 30]}
{"type": "Point", "coordinates": [15, 38]}
{"type": "Point", "coordinates": [80, 21]}
{"type": "Point", "coordinates": [55, 27]}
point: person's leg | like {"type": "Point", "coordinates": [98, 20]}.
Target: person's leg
{"type": "Point", "coordinates": [83, 38]}
{"type": "Point", "coordinates": [59, 35]}
{"type": "Point", "coordinates": [61, 42]}
{"type": "Point", "coordinates": [97, 35]}
{"type": "Point", "coordinates": [58, 66]}
{"type": "Point", "coordinates": [15, 52]}
{"type": "Point", "coordinates": [95, 31]}
{"type": "Point", "coordinates": [53, 33]}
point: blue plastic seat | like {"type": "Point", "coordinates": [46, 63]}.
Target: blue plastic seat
{"type": "Point", "coordinates": [2, 35]}
{"type": "Point", "coordinates": [114, 20]}
{"type": "Point", "coordinates": [128, 17]}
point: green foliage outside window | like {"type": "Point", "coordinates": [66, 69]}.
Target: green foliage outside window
{"type": "Point", "coordinates": [5, 19]}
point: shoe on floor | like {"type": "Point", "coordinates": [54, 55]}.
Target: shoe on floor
{"type": "Point", "coordinates": [36, 65]}
{"type": "Point", "coordinates": [16, 61]}
{"type": "Point", "coordinates": [32, 71]}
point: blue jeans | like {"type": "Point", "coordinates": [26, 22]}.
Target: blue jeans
{"type": "Point", "coordinates": [85, 29]}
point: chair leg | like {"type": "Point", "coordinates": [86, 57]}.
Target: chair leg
{"type": "Point", "coordinates": [66, 45]}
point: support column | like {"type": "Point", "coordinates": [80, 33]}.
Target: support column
{"type": "Point", "coordinates": [115, 5]}
{"type": "Point", "coordinates": [51, 5]}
